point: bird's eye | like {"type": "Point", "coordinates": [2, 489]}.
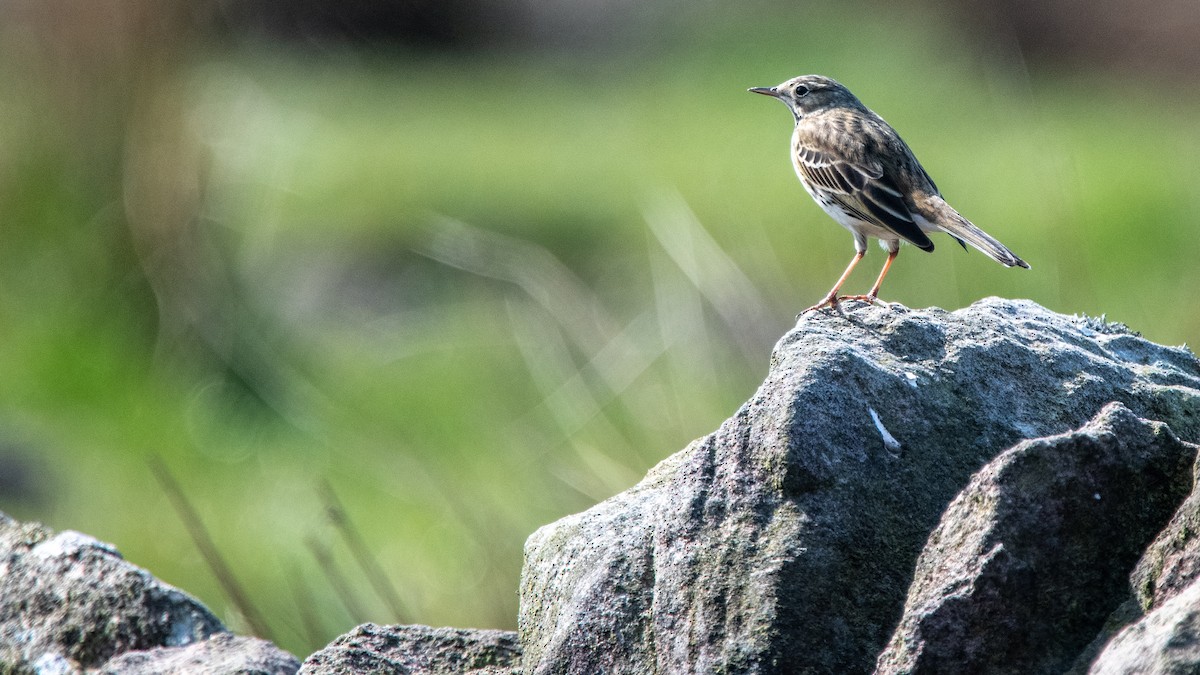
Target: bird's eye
{"type": "Point", "coordinates": [801, 90]}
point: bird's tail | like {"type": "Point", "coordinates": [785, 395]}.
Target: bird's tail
{"type": "Point", "coordinates": [951, 222]}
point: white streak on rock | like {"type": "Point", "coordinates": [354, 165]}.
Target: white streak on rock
{"type": "Point", "coordinates": [889, 441]}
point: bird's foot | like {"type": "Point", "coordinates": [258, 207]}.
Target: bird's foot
{"type": "Point", "coordinates": [870, 299]}
{"type": "Point", "coordinates": [832, 301]}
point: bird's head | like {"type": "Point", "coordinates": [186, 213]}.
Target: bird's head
{"type": "Point", "coordinates": [808, 94]}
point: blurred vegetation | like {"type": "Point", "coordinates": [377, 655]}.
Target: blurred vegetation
{"type": "Point", "coordinates": [478, 290]}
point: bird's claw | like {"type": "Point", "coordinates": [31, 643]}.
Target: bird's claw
{"type": "Point", "coordinates": [832, 302]}
{"type": "Point", "coordinates": [829, 301]}
{"type": "Point", "coordinates": [869, 299]}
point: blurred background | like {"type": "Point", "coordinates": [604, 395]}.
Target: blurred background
{"type": "Point", "coordinates": [386, 285]}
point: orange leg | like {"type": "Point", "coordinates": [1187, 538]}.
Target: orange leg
{"type": "Point", "coordinates": [870, 297]}
{"type": "Point", "coordinates": [831, 300]}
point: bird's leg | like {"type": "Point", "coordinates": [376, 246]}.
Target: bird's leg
{"type": "Point", "coordinates": [874, 293]}
{"type": "Point", "coordinates": [831, 300]}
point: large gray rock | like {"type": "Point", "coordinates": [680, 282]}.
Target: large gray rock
{"type": "Point", "coordinates": [1024, 567]}
{"type": "Point", "coordinates": [1165, 642]}
{"type": "Point", "coordinates": [1164, 635]}
{"type": "Point", "coordinates": [1172, 562]}
{"type": "Point", "coordinates": [785, 541]}
{"type": "Point", "coordinates": [417, 650]}
{"type": "Point", "coordinates": [221, 654]}
{"type": "Point", "coordinates": [69, 602]}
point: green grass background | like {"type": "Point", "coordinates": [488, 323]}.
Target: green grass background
{"type": "Point", "coordinates": [484, 291]}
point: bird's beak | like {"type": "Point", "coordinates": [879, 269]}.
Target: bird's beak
{"type": "Point", "coordinates": [766, 91]}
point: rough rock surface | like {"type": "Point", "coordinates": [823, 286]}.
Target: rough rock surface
{"type": "Point", "coordinates": [69, 602]}
{"type": "Point", "coordinates": [1165, 642]}
{"type": "Point", "coordinates": [1172, 563]}
{"type": "Point", "coordinates": [785, 541]}
{"type": "Point", "coordinates": [1166, 588]}
{"type": "Point", "coordinates": [1023, 569]}
{"type": "Point", "coordinates": [221, 654]}
{"type": "Point", "coordinates": [417, 650]}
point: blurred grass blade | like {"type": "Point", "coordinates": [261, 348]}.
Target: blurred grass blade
{"type": "Point", "coordinates": [567, 389]}
{"type": "Point", "coordinates": [333, 574]}
{"type": "Point", "coordinates": [531, 268]}
{"type": "Point", "coordinates": [208, 549]}
{"type": "Point", "coordinates": [713, 271]}
{"type": "Point", "coordinates": [570, 399]}
{"type": "Point", "coordinates": [362, 555]}
{"type": "Point", "coordinates": [306, 607]}
{"type": "Point", "coordinates": [679, 308]}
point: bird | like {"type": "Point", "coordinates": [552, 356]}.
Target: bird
{"type": "Point", "coordinates": [860, 172]}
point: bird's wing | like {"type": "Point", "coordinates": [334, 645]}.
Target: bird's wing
{"type": "Point", "coordinates": [863, 190]}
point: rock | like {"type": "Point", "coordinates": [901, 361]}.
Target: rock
{"type": "Point", "coordinates": [1161, 636]}
{"type": "Point", "coordinates": [784, 542]}
{"type": "Point", "coordinates": [417, 650]}
{"type": "Point", "coordinates": [1162, 643]}
{"type": "Point", "coordinates": [220, 654]}
{"type": "Point", "coordinates": [69, 602]}
{"type": "Point", "coordinates": [1172, 562]}
{"type": "Point", "coordinates": [1024, 567]}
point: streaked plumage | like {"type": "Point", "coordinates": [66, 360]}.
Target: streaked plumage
{"type": "Point", "coordinates": [859, 170]}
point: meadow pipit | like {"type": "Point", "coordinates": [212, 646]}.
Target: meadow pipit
{"type": "Point", "coordinates": [857, 168]}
